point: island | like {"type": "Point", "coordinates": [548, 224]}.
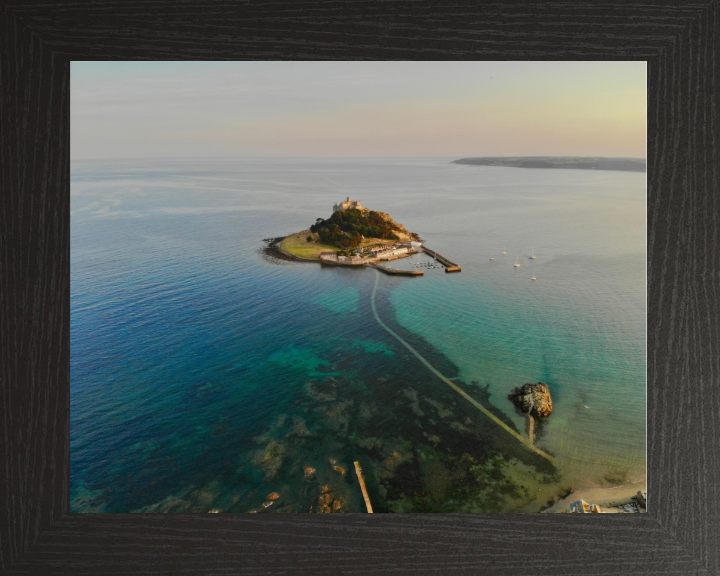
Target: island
{"type": "Point", "coordinates": [355, 236]}
{"type": "Point", "coordinates": [561, 162]}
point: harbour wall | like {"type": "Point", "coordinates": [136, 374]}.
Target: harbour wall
{"type": "Point", "coordinates": [276, 245]}
{"type": "Point", "coordinates": [360, 264]}
{"type": "Point", "coordinates": [397, 272]}
{"type": "Point", "coordinates": [449, 266]}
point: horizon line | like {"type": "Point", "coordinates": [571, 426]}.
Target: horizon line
{"type": "Point", "coordinates": [286, 156]}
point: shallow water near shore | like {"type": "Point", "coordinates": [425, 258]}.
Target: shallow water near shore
{"type": "Point", "coordinates": [206, 374]}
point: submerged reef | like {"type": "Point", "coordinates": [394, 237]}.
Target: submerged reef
{"type": "Point", "coordinates": [426, 450]}
{"type": "Point", "coordinates": [422, 448]}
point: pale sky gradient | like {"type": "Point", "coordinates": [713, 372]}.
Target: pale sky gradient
{"type": "Point", "coordinates": [458, 109]}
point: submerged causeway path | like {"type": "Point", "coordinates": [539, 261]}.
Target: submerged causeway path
{"type": "Point", "coordinates": [452, 385]}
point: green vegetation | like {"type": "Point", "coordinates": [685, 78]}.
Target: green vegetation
{"type": "Point", "coordinates": [345, 229]}
{"type": "Point", "coordinates": [299, 246]}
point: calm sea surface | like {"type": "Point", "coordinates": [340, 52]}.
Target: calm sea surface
{"type": "Point", "coordinates": [206, 374]}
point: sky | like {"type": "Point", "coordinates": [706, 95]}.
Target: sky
{"type": "Point", "coordinates": [357, 109]}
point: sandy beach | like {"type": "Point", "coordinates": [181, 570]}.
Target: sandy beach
{"type": "Point", "coordinates": [603, 497]}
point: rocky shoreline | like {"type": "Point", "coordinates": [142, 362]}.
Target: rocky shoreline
{"type": "Point", "coordinates": [274, 248]}
{"type": "Point", "coordinates": [612, 499]}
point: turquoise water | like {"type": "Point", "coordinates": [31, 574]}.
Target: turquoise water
{"type": "Point", "coordinates": [206, 374]}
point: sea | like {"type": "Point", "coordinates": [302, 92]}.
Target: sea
{"type": "Point", "coordinates": [210, 375]}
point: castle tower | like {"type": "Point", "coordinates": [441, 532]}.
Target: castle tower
{"type": "Point", "coordinates": [347, 204]}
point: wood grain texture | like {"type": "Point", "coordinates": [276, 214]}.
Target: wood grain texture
{"type": "Point", "coordinates": [681, 532]}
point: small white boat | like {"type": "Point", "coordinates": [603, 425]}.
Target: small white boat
{"type": "Point", "coordinates": [517, 262]}
{"type": "Point", "coordinates": [504, 251]}
{"type": "Point", "coordinates": [492, 258]}
{"type": "Point", "coordinates": [532, 255]}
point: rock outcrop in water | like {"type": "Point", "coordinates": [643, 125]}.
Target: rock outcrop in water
{"type": "Point", "coordinates": [328, 502]}
{"type": "Point", "coordinates": [533, 399]}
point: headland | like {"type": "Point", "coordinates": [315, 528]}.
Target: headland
{"type": "Point", "coordinates": [562, 162]}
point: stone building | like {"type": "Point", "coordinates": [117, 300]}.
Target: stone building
{"type": "Point", "coordinates": [394, 251]}
{"type": "Point", "coordinates": [347, 205]}
{"type": "Point", "coordinates": [375, 250]}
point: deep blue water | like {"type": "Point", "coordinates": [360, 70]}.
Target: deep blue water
{"type": "Point", "coordinates": [206, 374]}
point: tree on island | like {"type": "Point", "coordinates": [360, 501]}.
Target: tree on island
{"type": "Point", "coordinates": [346, 228]}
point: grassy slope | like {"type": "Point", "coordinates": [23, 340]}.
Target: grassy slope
{"type": "Point", "coordinates": [297, 245]}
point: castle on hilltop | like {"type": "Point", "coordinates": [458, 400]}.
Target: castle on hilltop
{"type": "Point", "coordinates": [347, 205]}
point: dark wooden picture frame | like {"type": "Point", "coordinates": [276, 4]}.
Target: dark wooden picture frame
{"type": "Point", "coordinates": [680, 534]}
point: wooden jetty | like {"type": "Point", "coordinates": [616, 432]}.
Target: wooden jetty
{"type": "Point", "coordinates": [358, 470]}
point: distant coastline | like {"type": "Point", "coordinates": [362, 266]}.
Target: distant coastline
{"type": "Point", "coordinates": [562, 162]}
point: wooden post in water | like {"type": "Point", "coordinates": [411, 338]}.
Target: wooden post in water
{"type": "Point", "coordinates": [362, 487]}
